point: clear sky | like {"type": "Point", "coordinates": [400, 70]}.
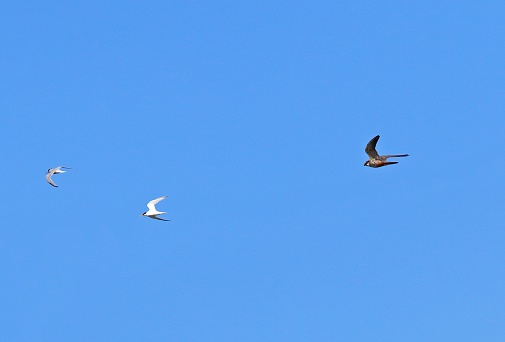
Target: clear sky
{"type": "Point", "coordinates": [252, 117]}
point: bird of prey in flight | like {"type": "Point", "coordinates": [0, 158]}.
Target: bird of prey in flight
{"type": "Point", "coordinates": [374, 159]}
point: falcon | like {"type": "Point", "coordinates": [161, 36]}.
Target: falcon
{"type": "Point", "coordinates": [374, 159]}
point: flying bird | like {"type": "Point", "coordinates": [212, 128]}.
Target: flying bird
{"type": "Point", "coordinates": [55, 171]}
{"type": "Point", "coordinates": [374, 159]}
{"type": "Point", "coordinates": [152, 212]}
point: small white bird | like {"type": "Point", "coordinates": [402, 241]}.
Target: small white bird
{"type": "Point", "coordinates": [152, 212]}
{"type": "Point", "coordinates": [55, 171]}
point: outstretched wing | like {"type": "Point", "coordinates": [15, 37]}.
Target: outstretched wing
{"type": "Point", "coordinates": [151, 204]}
{"type": "Point", "coordinates": [370, 147]}
{"type": "Point", "coordinates": [49, 180]}
{"type": "Point", "coordinates": [158, 218]}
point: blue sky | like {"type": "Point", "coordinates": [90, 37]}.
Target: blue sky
{"type": "Point", "coordinates": [252, 118]}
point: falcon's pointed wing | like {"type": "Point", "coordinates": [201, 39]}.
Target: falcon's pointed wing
{"type": "Point", "coordinates": [370, 147]}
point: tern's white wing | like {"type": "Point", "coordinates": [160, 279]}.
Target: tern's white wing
{"type": "Point", "coordinates": [152, 203]}
{"type": "Point", "coordinates": [158, 218]}
{"type": "Point", "coordinates": [49, 180]}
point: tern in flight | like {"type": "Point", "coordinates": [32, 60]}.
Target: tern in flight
{"type": "Point", "coordinates": [55, 171]}
{"type": "Point", "coordinates": [152, 212]}
{"type": "Point", "coordinates": [376, 160]}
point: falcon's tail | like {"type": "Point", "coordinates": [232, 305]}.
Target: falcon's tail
{"type": "Point", "coordinates": [396, 155]}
